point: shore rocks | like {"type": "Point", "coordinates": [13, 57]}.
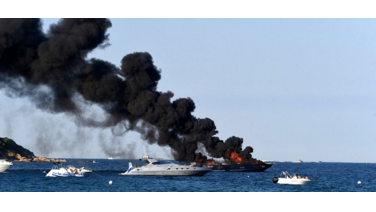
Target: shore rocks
{"type": "Point", "coordinates": [19, 158]}
{"type": "Point", "coordinates": [44, 159]}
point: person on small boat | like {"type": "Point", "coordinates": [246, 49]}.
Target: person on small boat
{"type": "Point", "coordinates": [306, 177]}
{"type": "Point", "coordinates": [299, 176]}
{"type": "Point", "coordinates": [74, 171]}
{"type": "Point", "coordinates": [286, 174]}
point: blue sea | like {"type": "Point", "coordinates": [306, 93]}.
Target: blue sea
{"type": "Point", "coordinates": [326, 177]}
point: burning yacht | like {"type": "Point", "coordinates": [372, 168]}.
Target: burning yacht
{"type": "Point", "coordinates": [237, 164]}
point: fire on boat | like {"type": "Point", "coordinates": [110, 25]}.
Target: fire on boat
{"type": "Point", "coordinates": [235, 163]}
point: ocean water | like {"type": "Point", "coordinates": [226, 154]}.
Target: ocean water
{"type": "Point", "coordinates": [326, 177]}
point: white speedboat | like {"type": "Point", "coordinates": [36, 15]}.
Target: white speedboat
{"type": "Point", "coordinates": [154, 167]}
{"type": "Point", "coordinates": [286, 178]}
{"type": "Point", "coordinates": [4, 165]}
{"type": "Point", "coordinates": [68, 171]}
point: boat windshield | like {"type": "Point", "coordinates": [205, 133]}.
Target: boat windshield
{"type": "Point", "coordinates": [161, 162]}
{"type": "Point", "coordinates": [286, 174]}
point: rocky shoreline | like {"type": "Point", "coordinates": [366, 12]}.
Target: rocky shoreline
{"type": "Point", "coordinates": [19, 158]}
{"type": "Point", "coordinates": [11, 150]}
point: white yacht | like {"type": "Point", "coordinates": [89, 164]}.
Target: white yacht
{"type": "Point", "coordinates": [156, 167]}
{"type": "Point", "coordinates": [286, 178]}
{"type": "Point", "coordinates": [68, 171]}
{"type": "Point", "coordinates": [4, 165]}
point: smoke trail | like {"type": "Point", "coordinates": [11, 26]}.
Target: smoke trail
{"type": "Point", "coordinates": [116, 148]}
{"type": "Point", "coordinates": [57, 61]}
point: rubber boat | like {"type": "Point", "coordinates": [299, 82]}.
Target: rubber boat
{"type": "Point", "coordinates": [4, 165]}
{"type": "Point", "coordinates": [68, 171]}
{"type": "Point", "coordinates": [154, 167]}
{"type": "Point", "coordinates": [286, 178]}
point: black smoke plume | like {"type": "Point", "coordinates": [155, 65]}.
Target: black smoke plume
{"type": "Point", "coordinates": [128, 94]}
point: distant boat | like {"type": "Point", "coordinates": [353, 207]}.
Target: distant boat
{"type": "Point", "coordinates": [299, 161]}
{"type": "Point", "coordinates": [110, 158]}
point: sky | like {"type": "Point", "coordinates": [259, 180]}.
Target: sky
{"type": "Point", "coordinates": [291, 88]}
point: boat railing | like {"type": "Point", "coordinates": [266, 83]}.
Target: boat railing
{"type": "Point", "coordinates": [286, 174]}
{"type": "Point", "coordinates": [86, 169]}
{"type": "Point", "coordinates": [293, 176]}
{"type": "Point", "coordinates": [57, 165]}
{"type": "Point", "coordinates": [5, 159]}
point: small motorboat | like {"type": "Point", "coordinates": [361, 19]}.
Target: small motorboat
{"type": "Point", "coordinates": [82, 170]}
{"type": "Point", "coordinates": [295, 179]}
{"type": "Point", "coordinates": [68, 171]}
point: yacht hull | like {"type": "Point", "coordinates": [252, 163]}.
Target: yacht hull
{"type": "Point", "coordinates": [4, 167]}
{"type": "Point", "coordinates": [169, 173]}
{"type": "Point", "coordinates": [241, 167]}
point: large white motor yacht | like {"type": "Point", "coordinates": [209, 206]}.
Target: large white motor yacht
{"type": "Point", "coordinates": [4, 165]}
{"type": "Point", "coordinates": [68, 171]}
{"type": "Point", "coordinates": [165, 168]}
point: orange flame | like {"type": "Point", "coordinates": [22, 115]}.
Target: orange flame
{"type": "Point", "coordinates": [210, 162]}
{"type": "Point", "coordinates": [235, 157]}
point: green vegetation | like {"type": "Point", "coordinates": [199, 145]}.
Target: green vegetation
{"type": "Point", "coordinates": [9, 148]}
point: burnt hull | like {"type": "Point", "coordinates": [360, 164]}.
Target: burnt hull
{"type": "Point", "coordinates": [241, 167]}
